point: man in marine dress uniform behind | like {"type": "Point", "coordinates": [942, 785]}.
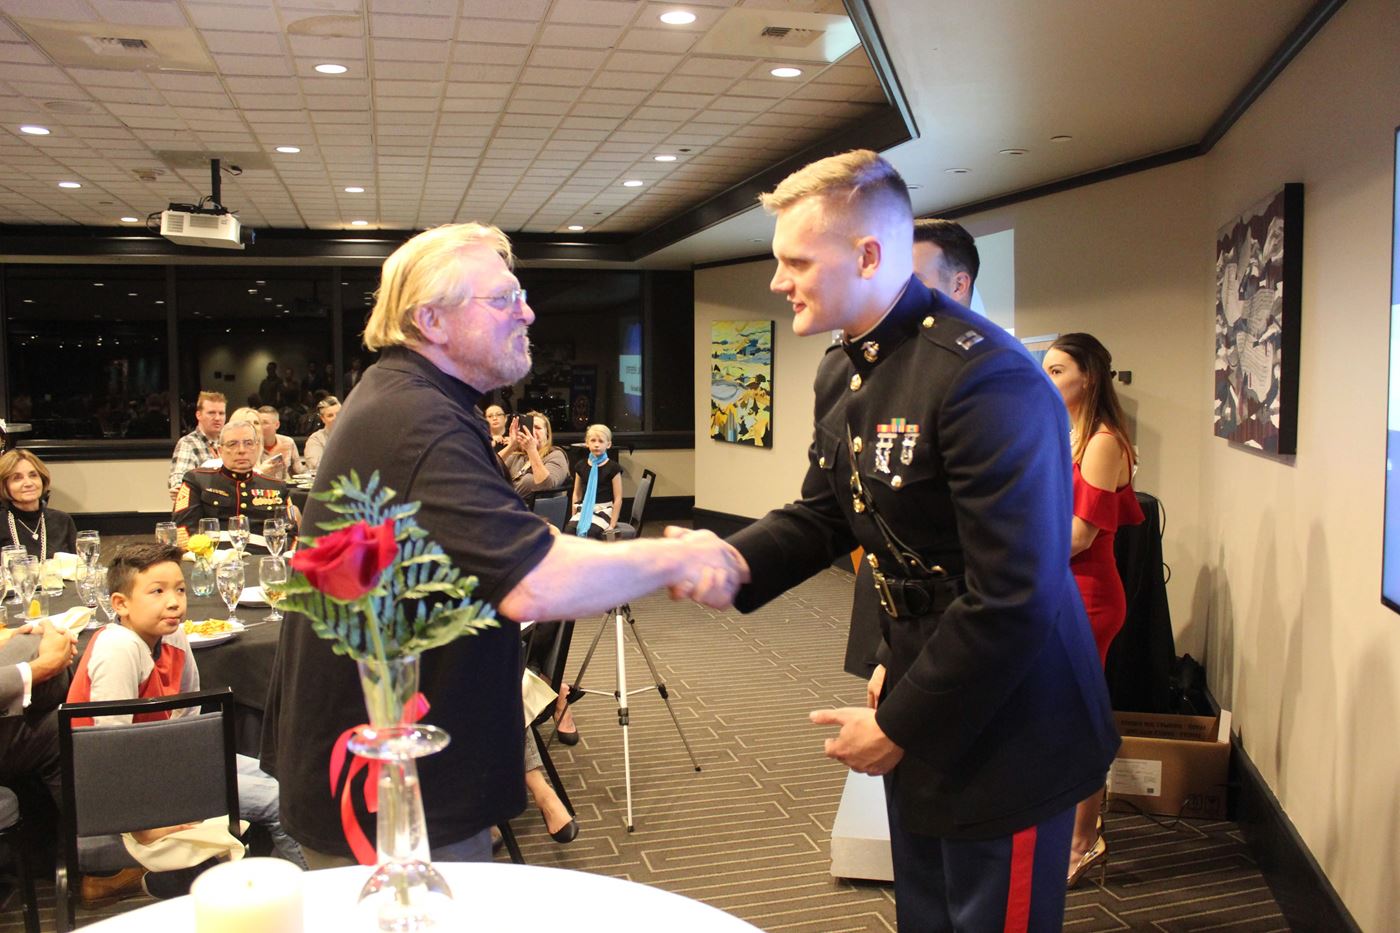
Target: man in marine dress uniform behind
{"type": "Point", "coordinates": [232, 489]}
{"type": "Point", "coordinates": [941, 449]}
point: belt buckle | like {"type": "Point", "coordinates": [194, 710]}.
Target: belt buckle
{"type": "Point", "coordinates": [882, 588]}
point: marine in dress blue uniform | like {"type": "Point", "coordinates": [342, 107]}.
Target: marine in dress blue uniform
{"type": "Point", "coordinates": [219, 493]}
{"type": "Point", "coordinates": [941, 449]}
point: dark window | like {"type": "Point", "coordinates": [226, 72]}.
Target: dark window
{"type": "Point", "coordinates": [234, 321]}
{"type": "Point", "coordinates": [357, 287]}
{"type": "Point", "coordinates": [85, 351]}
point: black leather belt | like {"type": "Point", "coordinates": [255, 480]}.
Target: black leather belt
{"type": "Point", "coordinates": [904, 597]}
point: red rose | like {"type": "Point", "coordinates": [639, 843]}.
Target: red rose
{"type": "Point", "coordinates": [346, 564]}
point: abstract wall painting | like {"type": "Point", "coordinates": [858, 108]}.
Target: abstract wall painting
{"type": "Point", "coordinates": [741, 382]}
{"type": "Point", "coordinates": [1258, 324]}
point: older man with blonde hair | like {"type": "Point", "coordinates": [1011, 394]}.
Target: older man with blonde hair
{"type": "Point", "coordinates": [451, 323]}
{"type": "Point", "coordinates": [941, 449]}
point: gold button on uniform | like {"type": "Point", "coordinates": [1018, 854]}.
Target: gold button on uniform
{"type": "Point", "coordinates": [821, 462]}
{"type": "Point", "coordinates": [857, 445]}
{"type": "Point", "coordinates": [928, 321]}
{"type": "Point", "coordinates": [896, 481]}
{"type": "Point", "coordinates": [855, 382]}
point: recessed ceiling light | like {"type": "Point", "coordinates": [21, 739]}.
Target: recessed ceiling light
{"type": "Point", "coordinates": [632, 183]}
{"type": "Point", "coordinates": [664, 158]}
{"type": "Point", "coordinates": [160, 301]}
{"type": "Point", "coordinates": [69, 184]}
{"type": "Point", "coordinates": [359, 223]}
{"type": "Point", "coordinates": [129, 295]}
{"type": "Point", "coordinates": [786, 72]}
{"type": "Point", "coordinates": [98, 284]}
{"type": "Point", "coordinates": [1060, 139]}
{"type": "Point", "coordinates": [1013, 152]}
{"type": "Point", "coordinates": [576, 227]}
{"type": "Point", "coordinates": [956, 171]}
{"type": "Point", "coordinates": [289, 150]}
{"type": "Point", "coordinates": [130, 220]}
{"type": "Point", "coordinates": [33, 130]}
{"type": "Point", "coordinates": [354, 189]}
{"type": "Point", "coordinates": [330, 68]}
{"type": "Point", "coordinates": [678, 18]}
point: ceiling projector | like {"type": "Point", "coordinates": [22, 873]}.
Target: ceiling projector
{"type": "Point", "coordinates": [189, 228]}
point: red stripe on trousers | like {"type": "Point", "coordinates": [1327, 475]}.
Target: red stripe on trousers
{"type": "Point", "coordinates": [1018, 896]}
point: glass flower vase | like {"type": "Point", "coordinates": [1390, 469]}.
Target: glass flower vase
{"type": "Point", "coordinates": [202, 577]}
{"type": "Point", "coordinates": [405, 892]}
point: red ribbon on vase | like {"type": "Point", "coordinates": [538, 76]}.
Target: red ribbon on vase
{"type": "Point", "coordinates": [360, 846]}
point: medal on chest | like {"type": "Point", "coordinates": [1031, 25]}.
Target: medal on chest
{"type": "Point", "coordinates": [897, 432]}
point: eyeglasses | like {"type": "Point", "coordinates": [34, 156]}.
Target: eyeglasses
{"type": "Point", "coordinates": [502, 302]}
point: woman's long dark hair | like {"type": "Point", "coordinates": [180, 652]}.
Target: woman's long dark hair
{"type": "Point", "coordinates": [1100, 406]}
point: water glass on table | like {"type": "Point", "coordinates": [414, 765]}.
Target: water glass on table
{"type": "Point", "coordinates": [209, 527]}
{"type": "Point", "coordinates": [8, 556]}
{"type": "Point", "coordinates": [272, 577]}
{"type": "Point", "coordinates": [24, 576]}
{"type": "Point", "coordinates": [238, 532]}
{"type": "Point", "coordinates": [104, 599]}
{"type": "Point", "coordinates": [86, 578]}
{"type": "Point", "coordinates": [89, 543]}
{"type": "Point", "coordinates": [167, 533]}
{"type": "Point", "coordinates": [228, 576]}
{"type": "Point", "coordinates": [275, 534]}
{"type": "Point", "coordinates": [51, 579]}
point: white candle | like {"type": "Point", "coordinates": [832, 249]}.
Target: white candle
{"type": "Point", "coordinates": [262, 894]}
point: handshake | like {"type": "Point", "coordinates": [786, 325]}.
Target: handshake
{"type": "Point", "coordinates": [710, 569]}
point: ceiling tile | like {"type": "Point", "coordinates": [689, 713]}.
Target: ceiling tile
{"type": "Point", "coordinates": [496, 31]}
{"type": "Point", "coordinates": [580, 37]}
{"type": "Point", "coordinates": [567, 77]}
{"type": "Point", "coordinates": [603, 12]}
{"type": "Point", "coordinates": [532, 10]}
{"type": "Point", "coordinates": [658, 40]}
{"type": "Point", "coordinates": [478, 53]}
{"type": "Point", "coordinates": [410, 27]}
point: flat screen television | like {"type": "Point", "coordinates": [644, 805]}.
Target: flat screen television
{"type": "Point", "coordinates": [1390, 553]}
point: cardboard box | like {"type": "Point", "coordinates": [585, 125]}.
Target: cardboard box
{"type": "Point", "coordinates": [1173, 765]}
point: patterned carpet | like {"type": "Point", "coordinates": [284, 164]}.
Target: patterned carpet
{"type": "Point", "coordinates": [749, 833]}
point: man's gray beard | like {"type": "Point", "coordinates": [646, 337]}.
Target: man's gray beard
{"type": "Point", "coordinates": [513, 368]}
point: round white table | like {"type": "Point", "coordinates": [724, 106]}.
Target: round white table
{"type": "Point", "coordinates": [487, 896]}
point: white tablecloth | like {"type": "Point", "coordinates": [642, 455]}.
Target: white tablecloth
{"type": "Point", "coordinates": [494, 896]}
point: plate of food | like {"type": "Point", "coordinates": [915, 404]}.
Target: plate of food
{"type": "Point", "coordinates": [211, 632]}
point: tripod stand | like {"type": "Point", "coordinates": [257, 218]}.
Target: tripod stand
{"type": "Point", "coordinates": [622, 622]}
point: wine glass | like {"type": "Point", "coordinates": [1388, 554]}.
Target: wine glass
{"type": "Point", "coordinates": [275, 534]}
{"type": "Point", "coordinates": [228, 577]}
{"type": "Point", "coordinates": [104, 598]}
{"type": "Point", "coordinates": [24, 572]}
{"type": "Point", "coordinates": [209, 527]}
{"type": "Point", "coordinates": [86, 578]}
{"type": "Point", "coordinates": [7, 557]}
{"type": "Point", "coordinates": [89, 542]}
{"type": "Point", "coordinates": [272, 576]}
{"type": "Point", "coordinates": [238, 532]}
{"type": "Point", "coordinates": [167, 533]}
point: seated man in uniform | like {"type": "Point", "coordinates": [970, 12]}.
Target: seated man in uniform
{"type": "Point", "coordinates": [232, 489]}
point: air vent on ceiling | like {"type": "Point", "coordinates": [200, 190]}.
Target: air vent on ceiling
{"type": "Point", "coordinates": [119, 47]}
{"type": "Point", "coordinates": [791, 37]}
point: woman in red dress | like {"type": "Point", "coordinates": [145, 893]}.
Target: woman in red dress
{"type": "Point", "coordinates": [1081, 369]}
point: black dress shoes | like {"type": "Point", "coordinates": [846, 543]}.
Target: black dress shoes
{"type": "Point", "coordinates": [569, 831]}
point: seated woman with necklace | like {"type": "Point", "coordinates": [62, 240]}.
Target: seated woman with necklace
{"type": "Point", "coordinates": [40, 530]}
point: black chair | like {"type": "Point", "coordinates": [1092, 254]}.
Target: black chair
{"type": "Point", "coordinates": [632, 528]}
{"type": "Point", "coordinates": [12, 834]}
{"type": "Point", "coordinates": [128, 777]}
{"type": "Point", "coordinates": [547, 645]}
{"type": "Point", "coordinates": [553, 508]}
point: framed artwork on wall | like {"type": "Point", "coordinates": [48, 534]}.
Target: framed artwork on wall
{"type": "Point", "coordinates": [741, 382]}
{"type": "Point", "coordinates": [1258, 324]}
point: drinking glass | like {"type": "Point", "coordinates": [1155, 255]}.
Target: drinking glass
{"type": "Point", "coordinates": [238, 532]}
{"type": "Point", "coordinates": [7, 557]}
{"type": "Point", "coordinates": [87, 584]}
{"type": "Point", "coordinates": [24, 573]}
{"type": "Point", "coordinates": [210, 528]}
{"type": "Point", "coordinates": [104, 599]}
{"type": "Point", "coordinates": [51, 581]}
{"type": "Point", "coordinates": [272, 577]}
{"type": "Point", "coordinates": [275, 534]}
{"type": "Point", "coordinates": [167, 532]}
{"type": "Point", "coordinates": [89, 542]}
{"type": "Point", "coordinates": [228, 576]}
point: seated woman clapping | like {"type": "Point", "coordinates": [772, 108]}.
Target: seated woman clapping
{"type": "Point", "coordinates": [532, 461]}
